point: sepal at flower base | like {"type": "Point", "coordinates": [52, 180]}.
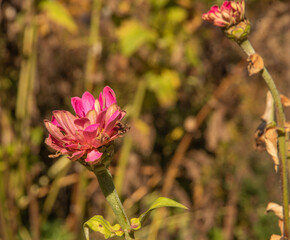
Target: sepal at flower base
{"type": "Point", "coordinates": [99, 224]}
{"type": "Point", "coordinates": [239, 32]}
{"type": "Point", "coordinates": [107, 152]}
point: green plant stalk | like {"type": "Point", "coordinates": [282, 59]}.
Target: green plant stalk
{"type": "Point", "coordinates": [247, 47]}
{"type": "Point", "coordinates": [106, 183]}
{"type": "Point", "coordinates": [94, 45]}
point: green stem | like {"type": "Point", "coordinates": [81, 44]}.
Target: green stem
{"type": "Point", "coordinates": [247, 47]}
{"type": "Point", "coordinates": [108, 189]}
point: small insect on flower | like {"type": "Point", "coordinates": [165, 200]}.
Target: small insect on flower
{"type": "Point", "coordinates": [95, 125]}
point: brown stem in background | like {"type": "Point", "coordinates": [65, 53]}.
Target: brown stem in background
{"type": "Point", "coordinates": [183, 147]}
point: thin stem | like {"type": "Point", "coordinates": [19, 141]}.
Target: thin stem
{"type": "Point", "coordinates": [247, 47]}
{"type": "Point", "coordinates": [108, 189]}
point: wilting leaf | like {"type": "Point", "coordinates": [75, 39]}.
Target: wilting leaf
{"type": "Point", "coordinates": [99, 224]}
{"type": "Point", "coordinates": [164, 85]}
{"type": "Point", "coordinates": [269, 110]}
{"type": "Point", "coordinates": [133, 35]}
{"type": "Point", "coordinates": [271, 145]}
{"type": "Point", "coordinates": [276, 209]}
{"type": "Point", "coordinates": [275, 237]}
{"type": "Point", "coordinates": [58, 14]}
{"type": "Point", "coordinates": [256, 64]}
{"type": "Point", "coordinates": [159, 203]}
{"type": "Point", "coordinates": [285, 101]}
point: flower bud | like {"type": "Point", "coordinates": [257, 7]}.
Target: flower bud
{"type": "Point", "coordinates": [231, 17]}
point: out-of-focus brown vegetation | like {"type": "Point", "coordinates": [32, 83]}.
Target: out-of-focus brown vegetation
{"type": "Point", "coordinates": [192, 109]}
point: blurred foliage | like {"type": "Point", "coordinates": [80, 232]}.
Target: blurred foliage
{"type": "Point", "coordinates": [182, 83]}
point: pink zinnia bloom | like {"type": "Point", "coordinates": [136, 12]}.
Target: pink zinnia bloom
{"type": "Point", "coordinates": [96, 123]}
{"type": "Point", "coordinates": [230, 13]}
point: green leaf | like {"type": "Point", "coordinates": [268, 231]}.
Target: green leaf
{"type": "Point", "coordinates": [176, 15]}
{"type": "Point", "coordinates": [99, 224]}
{"type": "Point", "coordinates": [58, 14]}
{"type": "Point", "coordinates": [159, 3]}
{"type": "Point", "coordinates": [133, 35]}
{"type": "Point", "coordinates": [159, 203]}
{"type": "Point", "coordinates": [164, 85]}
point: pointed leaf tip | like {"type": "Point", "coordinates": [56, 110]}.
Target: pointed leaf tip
{"type": "Point", "coordinates": [159, 203]}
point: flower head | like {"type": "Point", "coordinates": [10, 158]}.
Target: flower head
{"type": "Point", "coordinates": [229, 14]}
{"type": "Point", "coordinates": [96, 123]}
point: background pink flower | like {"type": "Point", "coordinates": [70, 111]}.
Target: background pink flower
{"type": "Point", "coordinates": [96, 123]}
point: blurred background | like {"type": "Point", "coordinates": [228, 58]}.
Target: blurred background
{"type": "Point", "coordinates": [192, 108]}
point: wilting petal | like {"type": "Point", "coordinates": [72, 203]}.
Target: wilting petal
{"type": "Point", "coordinates": [72, 147]}
{"type": "Point", "coordinates": [112, 121]}
{"type": "Point", "coordinates": [53, 143]}
{"type": "Point", "coordinates": [110, 111]}
{"type": "Point", "coordinates": [66, 120]}
{"type": "Point", "coordinates": [88, 101]}
{"type": "Point", "coordinates": [77, 104]}
{"type": "Point", "coordinates": [76, 155]}
{"type": "Point", "coordinates": [93, 156]}
{"type": "Point", "coordinates": [97, 106]}
{"type": "Point", "coordinates": [92, 116]}
{"type": "Point", "coordinates": [53, 130]}
{"type": "Point", "coordinates": [123, 113]}
{"type": "Point", "coordinates": [91, 132]}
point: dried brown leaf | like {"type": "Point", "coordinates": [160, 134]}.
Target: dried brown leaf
{"type": "Point", "coordinates": [256, 64]}
{"type": "Point", "coordinates": [275, 237]}
{"type": "Point", "coordinates": [269, 108]}
{"type": "Point", "coordinates": [271, 145]}
{"type": "Point", "coordinates": [276, 208]}
{"type": "Point", "coordinates": [285, 101]}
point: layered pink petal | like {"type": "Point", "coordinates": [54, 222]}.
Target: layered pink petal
{"type": "Point", "coordinates": [109, 95]}
{"type": "Point", "coordinates": [53, 143]}
{"type": "Point", "coordinates": [112, 121]}
{"type": "Point", "coordinates": [77, 105]}
{"type": "Point", "coordinates": [88, 101]}
{"type": "Point", "coordinates": [92, 116]}
{"type": "Point", "coordinates": [76, 155]}
{"type": "Point", "coordinates": [91, 132]}
{"type": "Point", "coordinates": [54, 130]}
{"type": "Point", "coordinates": [93, 156]}
{"type": "Point", "coordinates": [95, 125]}
{"type": "Point", "coordinates": [66, 120]}
{"type": "Point", "coordinates": [82, 122]}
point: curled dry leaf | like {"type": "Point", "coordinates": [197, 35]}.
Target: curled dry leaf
{"type": "Point", "coordinates": [275, 237]}
{"type": "Point", "coordinates": [271, 145]}
{"type": "Point", "coordinates": [266, 139]}
{"type": "Point", "coordinates": [256, 64]}
{"type": "Point", "coordinates": [276, 209]}
{"type": "Point", "coordinates": [285, 101]}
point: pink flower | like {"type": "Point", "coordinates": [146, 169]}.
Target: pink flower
{"type": "Point", "coordinates": [96, 123]}
{"type": "Point", "coordinates": [230, 13]}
